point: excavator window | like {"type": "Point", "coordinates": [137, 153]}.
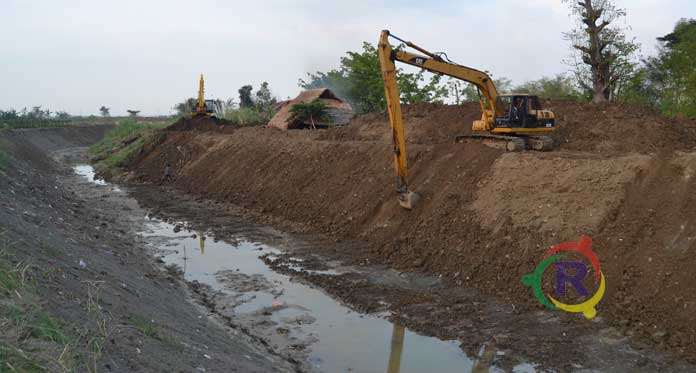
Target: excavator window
{"type": "Point", "coordinates": [503, 106]}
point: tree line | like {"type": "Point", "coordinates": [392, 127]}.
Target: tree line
{"type": "Point", "coordinates": [603, 66]}
{"type": "Point", "coordinates": [248, 107]}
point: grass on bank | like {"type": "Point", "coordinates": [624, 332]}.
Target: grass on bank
{"type": "Point", "coordinates": [31, 340]}
{"type": "Point", "coordinates": [4, 158]}
{"type": "Point", "coordinates": [246, 116]}
{"type": "Point", "coordinates": [124, 140]}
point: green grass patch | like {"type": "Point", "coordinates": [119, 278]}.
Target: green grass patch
{"type": "Point", "coordinates": [13, 359]}
{"type": "Point", "coordinates": [244, 116]}
{"type": "Point", "coordinates": [4, 158]}
{"type": "Point", "coordinates": [154, 331]}
{"type": "Point", "coordinates": [123, 141]}
{"type": "Point", "coordinates": [145, 326]}
{"type": "Point", "coordinates": [31, 339]}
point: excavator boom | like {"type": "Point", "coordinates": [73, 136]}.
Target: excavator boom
{"type": "Point", "coordinates": [203, 107]}
{"type": "Point", "coordinates": [524, 115]}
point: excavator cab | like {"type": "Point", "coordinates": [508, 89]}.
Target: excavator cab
{"type": "Point", "coordinates": [521, 111]}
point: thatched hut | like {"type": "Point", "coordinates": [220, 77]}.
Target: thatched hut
{"type": "Point", "coordinates": [339, 111]}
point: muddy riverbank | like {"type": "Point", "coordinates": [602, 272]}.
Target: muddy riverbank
{"type": "Point", "coordinates": [95, 276]}
{"type": "Point", "coordinates": [252, 296]}
{"type": "Point", "coordinates": [487, 217]}
{"type": "Point", "coordinates": [491, 334]}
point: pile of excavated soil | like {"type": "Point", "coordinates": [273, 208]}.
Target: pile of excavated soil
{"type": "Point", "coordinates": [424, 123]}
{"type": "Point", "coordinates": [619, 128]}
{"type": "Point", "coordinates": [200, 123]}
{"type": "Point", "coordinates": [486, 217]}
{"type": "Point", "coordinates": [579, 127]}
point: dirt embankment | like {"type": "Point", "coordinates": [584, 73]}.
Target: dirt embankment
{"type": "Point", "coordinates": [622, 176]}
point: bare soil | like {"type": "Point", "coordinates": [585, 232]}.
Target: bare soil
{"type": "Point", "coordinates": [622, 175]}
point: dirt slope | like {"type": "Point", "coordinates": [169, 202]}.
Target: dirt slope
{"type": "Point", "coordinates": [486, 217]}
{"type": "Point", "coordinates": [53, 221]}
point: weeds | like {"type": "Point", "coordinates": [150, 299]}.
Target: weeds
{"type": "Point", "coordinates": [24, 323]}
{"type": "Point", "coordinates": [150, 329]}
{"type": "Point", "coordinates": [96, 346]}
{"type": "Point", "coordinates": [16, 360]}
{"type": "Point", "coordinates": [93, 294]}
{"type": "Point", "coordinates": [123, 141]}
{"type": "Point", "coordinates": [145, 326]}
{"type": "Point", "coordinates": [245, 116]}
{"type": "Point", "coordinates": [4, 158]}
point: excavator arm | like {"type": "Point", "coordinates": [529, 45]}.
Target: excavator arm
{"type": "Point", "coordinates": [434, 63]}
{"type": "Point", "coordinates": [200, 102]}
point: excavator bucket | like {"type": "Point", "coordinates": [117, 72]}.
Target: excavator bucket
{"type": "Point", "coordinates": [409, 200]}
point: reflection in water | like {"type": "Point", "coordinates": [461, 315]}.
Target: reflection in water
{"type": "Point", "coordinates": [397, 346]}
{"type": "Point", "coordinates": [485, 360]}
{"type": "Point", "coordinates": [337, 338]}
{"type": "Point", "coordinates": [202, 242]}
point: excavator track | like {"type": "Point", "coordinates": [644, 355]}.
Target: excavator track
{"type": "Point", "coordinates": [517, 143]}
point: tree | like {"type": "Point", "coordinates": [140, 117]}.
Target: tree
{"type": "Point", "coordinates": [104, 111]}
{"type": "Point", "coordinates": [185, 107]}
{"type": "Point", "coordinates": [133, 113]}
{"type": "Point", "coordinates": [411, 92]}
{"type": "Point", "coordinates": [557, 87]}
{"type": "Point", "coordinates": [468, 92]}
{"type": "Point", "coordinates": [675, 68]}
{"type": "Point", "coordinates": [37, 113]}
{"type": "Point", "coordinates": [265, 99]}
{"type": "Point", "coordinates": [667, 81]}
{"type": "Point", "coordinates": [602, 55]}
{"type": "Point", "coordinates": [245, 100]}
{"type": "Point", "coordinates": [62, 115]}
{"type": "Point", "coordinates": [359, 81]}
{"type": "Point", "coordinates": [309, 112]}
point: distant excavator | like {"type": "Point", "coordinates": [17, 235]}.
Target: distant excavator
{"type": "Point", "coordinates": [515, 122]}
{"type": "Point", "coordinates": [203, 107]}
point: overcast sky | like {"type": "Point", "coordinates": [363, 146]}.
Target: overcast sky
{"type": "Point", "coordinates": [146, 54]}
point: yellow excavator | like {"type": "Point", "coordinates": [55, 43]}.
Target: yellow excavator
{"type": "Point", "coordinates": [203, 107]}
{"type": "Point", "coordinates": [515, 122]}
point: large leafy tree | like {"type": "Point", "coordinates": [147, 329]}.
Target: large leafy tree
{"type": "Point", "coordinates": [668, 79]}
{"type": "Point", "coordinates": [359, 81]}
{"type": "Point", "coordinates": [674, 67]}
{"type": "Point", "coordinates": [602, 55]}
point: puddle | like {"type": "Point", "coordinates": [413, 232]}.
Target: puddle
{"type": "Point", "coordinates": [339, 339]}
{"type": "Point", "coordinates": [87, 172]}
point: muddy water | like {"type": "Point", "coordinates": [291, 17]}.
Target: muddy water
{"type": "Point", "coordinates": [339, 339]}
{"type": "Point", "coordinates": [87, 172]}
{"type": "Point", "coordinates": [336, 338]}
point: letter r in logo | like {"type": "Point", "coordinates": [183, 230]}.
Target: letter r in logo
{"type": "Point", "coordinates": [576, 280]}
